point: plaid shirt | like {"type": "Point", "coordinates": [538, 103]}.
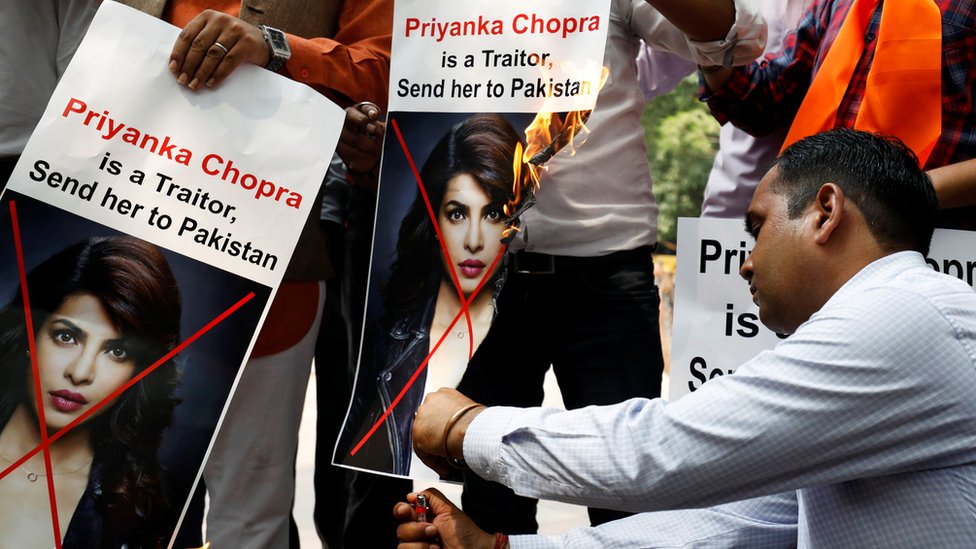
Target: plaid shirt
{"type": "Point", "coordinates": [766, 95]}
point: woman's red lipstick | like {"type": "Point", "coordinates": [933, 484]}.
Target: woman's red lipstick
{"type": "Point", "coordinates": [67, 401]}
{"type": "Point", "coordinates": [471, 267]}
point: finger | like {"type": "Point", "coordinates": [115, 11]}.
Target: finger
{"type": "Point", "coordinates": [371, 110]}
{"type": "Point", "coordinates": [374, 132]}
{"type": "Point", "coordinates": [403, 512]}
{"type": "Point", "coordinates": [249, 46]}
{"type": "Point", "coordinates": [356, 117]}
{"type": "Point", "coordinates": [195, 41]}
{"type": "Point", "coordinates": [369, 138]}
{"type": "Point", "coordinates": [367, 145]}
{"type": "Point", "coordinates": [363, 120]}
{"type": "Point", "coordinates": [183, 42]}
{"type": "Point", "coordinates": [439, 504]}
{"type": "Point", "coordinates": [352, 129]}
{"type": "Point", "coordinates": [223, 52]}
{"type": "Point", "coordinates": [200, 46]}
{"type": "Point", "coordinates": [417, 531]}
{"type": "Point", "coordinates": [359, 152]}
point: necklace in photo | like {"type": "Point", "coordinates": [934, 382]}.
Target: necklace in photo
{"type": "Point", "coordinates": [32, 476]}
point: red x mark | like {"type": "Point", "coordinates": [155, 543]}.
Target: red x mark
{"type": "Point", "coordinates": [46, 441]}
{"type": "Point", "coordinates": [457, 286]}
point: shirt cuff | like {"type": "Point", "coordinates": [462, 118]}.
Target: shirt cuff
{"type": "Point", "coordinates": [305, 54]}
{"type": "Point", "coordinates": [536, 542]}
{"type": "Point", "coordinates": [483, 441]}
{"type": "Point", "coordinates": [743, 44]}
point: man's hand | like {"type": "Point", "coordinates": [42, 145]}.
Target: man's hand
{"type": "Point", "coordinates": [450, 529]}
{"type": "Point", "coordinates": [429, 426]}
{"type": "Point", "coordinates": [955, 184]}
{"type": "Point", "coordinates": [361, 143]}
{"type": "Point", "coordinates": [212, 45]}
{"type": "Point", "coordinates": [702, 20]}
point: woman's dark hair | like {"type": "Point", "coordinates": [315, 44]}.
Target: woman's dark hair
{"type": "Point", "coordinates": [132, 280]}
{"type": "Point", "coordinates": [482, 146]}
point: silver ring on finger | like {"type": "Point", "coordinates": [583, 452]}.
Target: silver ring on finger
{"type": "Point", "coordinates": [221, 46]}
{"type": "Point", "coordinates": [359, 106]}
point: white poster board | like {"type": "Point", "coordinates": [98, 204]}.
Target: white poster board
{"type": "Point", "coordinates": [218, 182]}
{"type": "Point", "coordinates": [716, 325]}
{"type": "Point", "coordinates": [452, 63]}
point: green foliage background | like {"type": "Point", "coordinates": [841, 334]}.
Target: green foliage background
{"type": "Point", "coordinates": [682, 138]}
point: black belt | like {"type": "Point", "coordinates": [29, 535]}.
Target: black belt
{"type": "Point", "coordinates": [524, 262]}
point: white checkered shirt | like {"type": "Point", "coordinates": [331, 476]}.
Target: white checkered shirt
{"type": "Point", "coordinates": [863, 422]}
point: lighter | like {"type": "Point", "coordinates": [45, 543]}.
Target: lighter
{"type": "Point", "coordinates": [421, 508]}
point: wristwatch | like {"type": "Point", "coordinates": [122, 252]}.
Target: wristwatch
{"type": "Point", "coordinates": [278, 44]}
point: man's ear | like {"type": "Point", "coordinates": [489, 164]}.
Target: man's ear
{"type": "Point", "coordinates": [828, 211]}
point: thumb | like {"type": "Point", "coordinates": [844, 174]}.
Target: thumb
{"type": "Point", "coordinates": [439, 504]}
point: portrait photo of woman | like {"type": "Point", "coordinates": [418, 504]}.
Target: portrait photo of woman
{"type": "Point", "coordinates": [103, 310]}
{"type": "Point", "coordinates": [468, 179]}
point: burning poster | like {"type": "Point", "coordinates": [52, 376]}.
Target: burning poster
{"type": "Point", "coordinates": [482, 95]}
{"type": "Point", "coordinates": [716, 324]}
{"type": "Point", "coordinates": [137, 260]}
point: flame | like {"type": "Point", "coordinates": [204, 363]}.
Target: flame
{"type": "Point", "coordinates": [548, 133]}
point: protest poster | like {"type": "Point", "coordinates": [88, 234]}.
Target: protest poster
{"type": "Point", "coordinates": [143, 233]}
{"type": "Point", "coordinates": [716, 325]}
{"type": "Point", "coordinates": [467, 79]}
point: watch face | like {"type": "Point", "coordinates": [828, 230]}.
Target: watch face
{"type": "Point", "coordinates": [278, 39]}
{"type": "Point", "coordinates": [278, 44]}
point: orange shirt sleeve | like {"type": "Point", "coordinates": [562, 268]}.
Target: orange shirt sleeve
{"type": "Point", "coordinates": [181, 12]}
{"type": "Point", "coordinates": [353, 66]}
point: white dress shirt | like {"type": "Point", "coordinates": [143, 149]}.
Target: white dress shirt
{"type": "Point", "coordinates": [867, 412]}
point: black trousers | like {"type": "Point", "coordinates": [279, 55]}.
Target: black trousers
{"type": "Point", "coordinates": [352, 509]}
{"type": "Point", "coordinates": [6, 168]}
{"type": "Point", "coordinates": [595, 321]}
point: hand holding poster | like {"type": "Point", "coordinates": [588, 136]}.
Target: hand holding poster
{"type": "Point", "coordinates": [465, 79]}
{"type": "Point", "coordinates": [716, 325]}
{"type": "Point", "coordinates": [136, 262]}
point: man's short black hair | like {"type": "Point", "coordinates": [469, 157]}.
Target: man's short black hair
{"type": "Point", "coordinates": [878, 173]}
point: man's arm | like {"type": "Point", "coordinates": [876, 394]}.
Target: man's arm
{"type": "Point", "coordinates": [741, 40]}
{"type": "Point", "coordinates": [765, 96]}
{"type": "Point", "coordinates": [761, 523]}
{"type": "Point", "coordinates": [716, 76]}
{"type": "Point", "coordinates": [697, 27]}
{"type": "Point", "coordinates": [354, 65]}
{"type": "Point", "coordinates": [820, 409]}
{"type": "Point", "coordinates": [781, 17]}
{"type": "Point", "coordinates": [955, 184]}
{"type": "Point", "coordinates": [701, 20]}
